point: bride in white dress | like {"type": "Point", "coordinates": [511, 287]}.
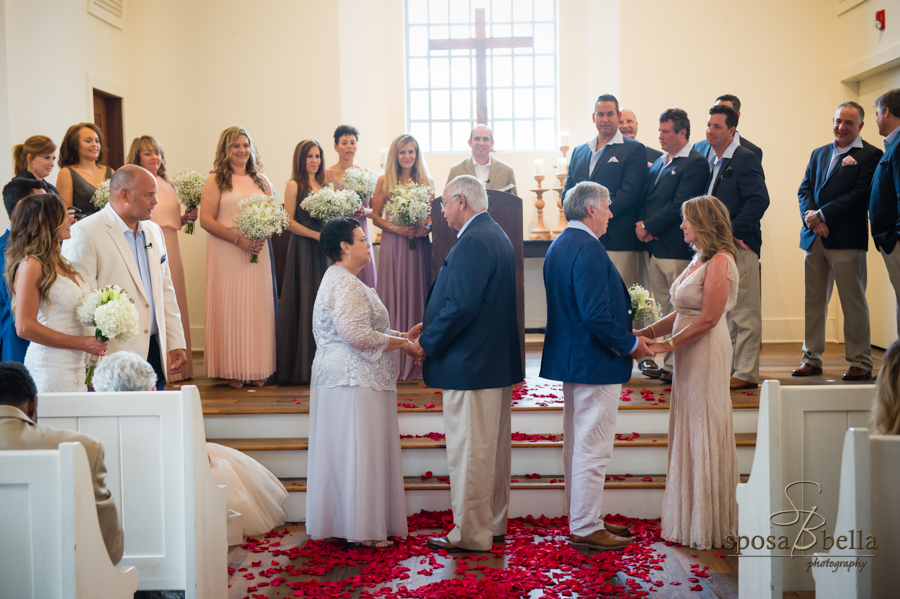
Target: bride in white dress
{"type": "Point", "coordinates": [45, 290]}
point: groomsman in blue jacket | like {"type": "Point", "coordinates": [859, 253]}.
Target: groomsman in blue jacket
{"type": "Point", "coordinates": [619, 164]}
{"type": "Point", "coordinates": [884, 202]}
{"type": "Point", "coordinates": [834, 200]}
{"type": "Point", "coordinates": [737, 179]}
{"type": "Point", "coordinates": [470, 345]}
{"type": "Point", "coordinates": [675, 177]}
{"type": "Point", "coordinates": [588, 345]}
{"type": "Point", "coordinates": [731, 100]}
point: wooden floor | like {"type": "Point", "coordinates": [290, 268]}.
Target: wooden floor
{"type": "Point", "coordinates": [273, 568]}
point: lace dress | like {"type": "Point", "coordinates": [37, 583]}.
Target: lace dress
{"type": "Point", "coordinates": [355, 474]}
{"type": "Point", "coordinates": [699, 507]}
{"type": "Point", "coordinates": [57, 370]}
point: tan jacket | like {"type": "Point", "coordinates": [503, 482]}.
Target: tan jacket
{"type": "Point", "coordinates": [17, 431]}
{"type": "Point", "coordinates": [501, 174]}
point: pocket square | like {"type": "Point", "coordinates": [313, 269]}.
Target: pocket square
{"type": "Point", "coordinates": [672, 172]}
{"type": "Point", "coordinates": [848, 161]}
{"type": "Point", "coordinates": [613, 159]}
{"type": "Point", "coordinates": [727, 173]}
{"type": "Point", "coordinates": [649, 165]}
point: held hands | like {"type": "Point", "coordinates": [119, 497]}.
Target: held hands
{"type": "Point", "coordinates": [660, 348]}
{"type": "Point", "coordinates": [414, 333]}
{"type": "Point", "coordinates": [643, 349]}
{"type": "Point", "coordinates": [177, 360]}
{"type": "Point", "coordinates": [92, 345]}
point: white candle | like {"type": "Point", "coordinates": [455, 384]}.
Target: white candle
{"type": "Point", "coordinates": [384, 153]}
{"type": "Point", "coordinates": [563, 139]}
{"type": "Point", "coordinates": [562, 166]}
{"type": "Point", "coordinates": [538, 167]}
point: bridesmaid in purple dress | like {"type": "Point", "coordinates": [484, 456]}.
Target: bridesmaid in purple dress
{"type": "Point", "coordinates": [404, 274]}
{"type": "Point", "coordinates": [345, 141]}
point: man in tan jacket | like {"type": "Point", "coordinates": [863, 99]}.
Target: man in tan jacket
{"type": "Point", "coordinates": [481, 164]}
{"type": "Point", "coordinates": [19, 430]}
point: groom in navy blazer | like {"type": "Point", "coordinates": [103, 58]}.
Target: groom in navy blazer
{"type": "Point", "coordinates": [470, 344]}
{"type": "Point", "coordinates": [619, 164]}
{"type": "Point", "coordinates": [589, 346]}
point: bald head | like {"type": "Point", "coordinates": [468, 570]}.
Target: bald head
{"type": "Point", "coordinates": [628, 125]}
{"type": "Point", "coordinates": [132, 194]}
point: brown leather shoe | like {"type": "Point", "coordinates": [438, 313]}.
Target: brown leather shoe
{"type": "Point", "coordinates": [602, 540]}
{"type": "Point", "coordinates": [646, 364]}
{"type": "Point", "coordinates": [741, 384]}
{"type": "Point", "coordinates": [857, 374]}
{"type": "Point", "coordinates": [653, 373]}
{"type": "Point", "coordinates": [806, 369]}
{"type": "Point", "coordinates": [617, 529]}
{"type": "Point", "coordinates": [445, 544]}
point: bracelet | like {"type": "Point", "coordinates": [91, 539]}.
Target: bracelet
{"type": "Point", "coordinates": [652, 330]}
{"type": "Point", "coordinates": [236, 240]}
{"type": "Point", "coordinates": [671, 343]}
{"type": "Point", "coordinates": [408, 343]}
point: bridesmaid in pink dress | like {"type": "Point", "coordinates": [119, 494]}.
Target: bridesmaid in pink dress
{"type": "Point", "coordinates": [345, 143]}
{"type": "Point", "coordinates": [147, 152]}
{"type": "Point", "coordinates": [240, 307]}
{"type": "Point", "coordinates": [404, 274]}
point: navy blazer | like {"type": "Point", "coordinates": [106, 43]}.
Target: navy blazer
{"type": "Point", "coordinates": [683, 178]}
{"type": "Point", "coordinates": [471, 324]}
{"type": "Point", "coordinates": [622, 169]}
{"type": "Point", "coordinates": [884, 199]}
{"type": "Point", "coordinates": [703, 147]}
{"type": "Point", "coordinates": [652, 155]}
{"type": "Point", "coordinates": [741, 185]}
{"type": "Point", "coordinates": [588, 336]}
{"type": "Point", "coordinates": [12, 347]}
{"type": "Point", "coordinates": [843, 197]}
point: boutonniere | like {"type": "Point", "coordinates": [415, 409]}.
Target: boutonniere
{"type": "Point", "coordinates": [672, 172]}
{"type": "Point", "coordinates": [848, 161]}
{"type": "Point", "coordinates": [613, 159]}
{"type": "Point", "coordinates": [727, 173]}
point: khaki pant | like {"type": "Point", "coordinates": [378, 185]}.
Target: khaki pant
{"type": "Point", "coordinates": [629, 266]}
{"type": "Point", "coordinates": [823, 268]}
{"type": "Point", "coordinates": [663, 273]}
{"type": "Point", "coordinates": [479, 449]}
{"type": "Point", "coordinates": [892, 263]}
{"type": "Point", "coordinates": [745, 320]}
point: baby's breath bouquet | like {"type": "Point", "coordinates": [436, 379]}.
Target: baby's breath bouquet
{"type": "Point", "coordinates": [643, 308]}
{"type": "Point", "coordinates": [260, 216]}
{"type": "Point", "coordinates": [101, 197]}
{"type": "Point", "coordinates": [189, 184]}
{"type": "Point", "coordinates": [409, 204]}
{"type": "Point", "coordinates": [112, 314]}
{"type": "Point", "coordinates": [329, 203]}
{"type": "Point", "coordinates": [360, 181]}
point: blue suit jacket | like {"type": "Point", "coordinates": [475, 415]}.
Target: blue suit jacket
{"type": "Point", "coordinates": [12, 347]}
{"type": "Point", "coordinates": [884, 199]}
{"type": "Point", "coordinates": [471, 324]}
{"type": "Point", "coordinates": [843, 197]}
{"type": "Point", "coordinates": [588, 336]}
{"type": "Point", "coordinates": [741, 185]}
{"type": "Point", "coordinates": [683, 178]}
{"type": "Point", "coordinates": [624, 177]}
{"type": "Point", "coordinates": [652, 155]}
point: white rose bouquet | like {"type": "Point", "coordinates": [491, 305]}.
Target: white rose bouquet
{"type": "Point", "coordinates": [360, 181]}
{"type": "Point", "coordinates": [409, 204]}
{"type": "Point", "coordinates": [189, 184]}
{"type": "Point", "coordinates": [101, 197]}
{"type": "Point", "coordinates": [329, 203]}
{"type": "Point", "coordinates": [112, 314]}
{"type": "Point", "coordinates": [643, 307]}
{"type": "Point", "coordinates": [260, 216]}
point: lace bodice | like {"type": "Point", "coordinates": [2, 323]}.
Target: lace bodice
{"type": "Point", "coordinates": [350, 326]}
{"type": "Point", "coordinates": [59, 313]}
{"type": "Point", "coordinates": [687, 291]}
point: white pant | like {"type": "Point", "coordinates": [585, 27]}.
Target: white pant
{"type": "Point", "coordinates": [589, 431]}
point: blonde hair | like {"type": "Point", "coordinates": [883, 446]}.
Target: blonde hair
{"type": "Point", "coordinates": [222, 165]}
{"type": "Point", "coordinates": [392, 169]}
{"type": "Point", "coordinates": [36, 145]}
{"type": "Point", "coordinates": [36, 221]}
{"type": "Point", "coordinates": [141, 143]}
{"type": "Point", "coordinates": [886, 409]}
{"type": "Point", "coordinates": [712, 225]}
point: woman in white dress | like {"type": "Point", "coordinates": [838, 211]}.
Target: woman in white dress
{"type": "Point", "coordinates": [45, 290]}
{"type": "Point", "coordinates": [355, 475]}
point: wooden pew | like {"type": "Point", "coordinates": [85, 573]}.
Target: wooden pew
{"type": "Point", "coordinates": [797, 440]}
{"type": "Point", "coordinates": [173, 513]}
{"type": "Point", "coordinates": [51, 543]}
{"type": "Point", "coordinates": [868, 503]}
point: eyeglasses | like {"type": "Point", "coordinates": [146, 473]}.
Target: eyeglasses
{"type": "Point", "coordinates": [451, 199]}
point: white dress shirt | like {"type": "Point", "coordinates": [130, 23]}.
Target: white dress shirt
{"type": "Point", "coordinates": [597, 152]}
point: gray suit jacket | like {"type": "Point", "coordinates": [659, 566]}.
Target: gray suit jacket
{"type": "Point", "coordinates": [17, 431]}
{"type": "Point", "coordinates": [500, 176]}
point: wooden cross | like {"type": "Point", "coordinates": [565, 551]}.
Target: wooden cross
{"type": "Point", "coordinates": [480, 43]}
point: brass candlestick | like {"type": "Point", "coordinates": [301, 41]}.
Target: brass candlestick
{"type": "Point", "coordinates": [562, 217]}
{"type": "Point", "coordinates": [540, 231]}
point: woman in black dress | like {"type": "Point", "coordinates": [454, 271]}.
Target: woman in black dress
{"type": "Point", "coordinates": [304, 269]}
{"type": "Point", "coordinates": [80, 171]}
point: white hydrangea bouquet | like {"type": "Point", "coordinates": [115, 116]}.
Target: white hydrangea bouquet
{"type": "Point", "coordinates": [643, 308]}
{"type": "Point", "coordinates": [329, 203]}
{"type": "Point", "coordinates": [409, 204]}
{"type": "Point", "coordinates": [101, 197]}
{"type": "Point", "coordinates": [189, 184]}
{"type": "Point", "coordinates": [360, 181]}
{"type": "Point", "coordinates": [112, 314]}
{"type": "Point", "coordinates": [260, 216]}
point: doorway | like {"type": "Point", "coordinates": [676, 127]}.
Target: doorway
{"type": "Point", "coordinates": [108, 116]}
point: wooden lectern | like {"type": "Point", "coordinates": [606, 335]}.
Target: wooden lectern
{"type": "Point", "coordinates": [506, 209]}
